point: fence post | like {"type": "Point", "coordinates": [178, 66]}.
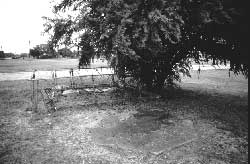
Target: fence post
{"type": "Point", "coordinates": [94, 88]}
{"type": "Point", "coordinates": [54, 77]}
{"type": "Point", "coordinates": [92, 78]}
{"type": "Point", "coordinates": [199, 72]}
{"type": "Point", "coordinates": [113, 80]}
{"type": "Point", "coordinates": [72, 83]}
{"type": "Point", "coordinates": [34, 90]}
{"type": "Point", "coordinates": [34, 96]}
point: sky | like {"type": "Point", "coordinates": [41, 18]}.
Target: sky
{"type": "Point", "coordinates": [20, 22]}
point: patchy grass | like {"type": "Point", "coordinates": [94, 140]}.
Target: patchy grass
{"type": "Point", "coordinates": [201, 121]}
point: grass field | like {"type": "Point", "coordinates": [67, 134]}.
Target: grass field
{"type": "Point", "coordinates": [29, 65]}
{"type": "Point", "coordinates": [202, 121]}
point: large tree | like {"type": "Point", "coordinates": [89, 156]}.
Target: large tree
{"type": "Point", "coordinates": [65, 52]}
{"type": "Point", "coordinates": [36, 52]}
{"type": "Point", "coordinates": [154, 40]}
{"type": "Point", "coordinates": [42, 51]}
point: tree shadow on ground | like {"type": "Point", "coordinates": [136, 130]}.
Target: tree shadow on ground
{"type": "Point", "coordinates": [230, 111]}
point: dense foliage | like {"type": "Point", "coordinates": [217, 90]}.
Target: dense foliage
{"type": "Point", "coordinates": [36, 52]}
{"type": "Point", "coordinates": [42, 51]}
{"type": "Point", "coordinates": [154, 40]}
{"type": "Point", "coordinates": [65, 52]}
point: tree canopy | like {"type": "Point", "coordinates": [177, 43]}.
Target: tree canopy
{"type": "Point", "coordinates": [42, 51]}
{"type": "Point", "coordinates": [65, 52]}
{"type": "Point", "coordinates": [154, 40]}
{"type": "Point", "coordinates": [36, 52]}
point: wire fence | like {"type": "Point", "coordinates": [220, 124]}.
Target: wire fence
{"type": "Point", "coordinates": [47, 90]}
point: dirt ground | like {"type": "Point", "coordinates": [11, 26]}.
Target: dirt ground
{"type": "Point", "coordinates": [202, 121]}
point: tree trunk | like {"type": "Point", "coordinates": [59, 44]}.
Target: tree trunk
{"type": "Point", "coordinates": [147, 75]}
